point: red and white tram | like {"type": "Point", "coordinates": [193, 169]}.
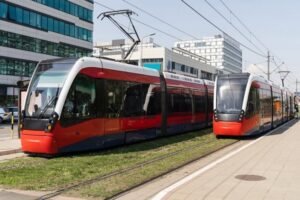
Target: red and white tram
{"type": "Point", "coordinates": [246, 104]}
{"type": "Point", "coordinates": [91, 103]}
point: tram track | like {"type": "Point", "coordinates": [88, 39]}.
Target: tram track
{"type": "Point", "coordinates": [139, 165]}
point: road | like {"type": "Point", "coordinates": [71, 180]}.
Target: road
{"type": "Point", "coordinates": [5, 131]}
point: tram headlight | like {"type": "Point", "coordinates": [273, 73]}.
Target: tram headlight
{"type": "Point", "coordinates": [52, 120]}
{"type": "Point", "coordinates": [241, 116]}
{"type": "Point", "coordinates": [216, 115]}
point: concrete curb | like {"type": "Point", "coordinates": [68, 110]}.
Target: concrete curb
{"type": "Point", "coordinates": [8, 152]}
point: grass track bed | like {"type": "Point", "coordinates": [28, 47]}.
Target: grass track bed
{"type": "Point", "coordinates": [163, 155]}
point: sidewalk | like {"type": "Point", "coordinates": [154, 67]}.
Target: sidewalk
{"type": "Point", "coordinates": [9, 144]}
{"type": "Point", "coordinates": [266, 168]}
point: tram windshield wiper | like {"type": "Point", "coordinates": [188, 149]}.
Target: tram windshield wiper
{"type": "Point", "coordinates": [50, 102]}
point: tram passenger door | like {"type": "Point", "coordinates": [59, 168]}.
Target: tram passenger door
{"type": "Point", "coordinates": [261, 110]}
{"type": "Point", "coordinates": [141, 111]}
{"type": "Point", "coordinates": [112, 91]}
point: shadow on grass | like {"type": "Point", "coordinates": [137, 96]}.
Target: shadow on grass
{"type": "Point", "coordinates": [145, 145]}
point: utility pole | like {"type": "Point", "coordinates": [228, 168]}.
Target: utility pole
{"type": "Point", "coordinates": [268, 73]}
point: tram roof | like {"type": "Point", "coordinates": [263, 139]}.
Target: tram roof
{"type": "Point", "coordinates": [85, 62]}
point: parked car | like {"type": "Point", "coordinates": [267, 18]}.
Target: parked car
{"type": "Point", "coordinates": [5, 115]}
{"type": "Point", "coordinates": [15, 112]}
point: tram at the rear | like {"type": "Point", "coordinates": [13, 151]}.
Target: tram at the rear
{"type": "Point", "coordinates": [91, 103]}
{"type": "Point", "coordinates": [247, 104]}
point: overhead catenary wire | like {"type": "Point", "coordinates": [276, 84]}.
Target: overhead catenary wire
{"type": "Point", "coordinates": [161, 20]}
{"type": "Point", "coordinates": [251, 33]}
{"type": "Point", "coordinates": [221, 30]}
{"type": "Point", "coordinates": [140, 22]}
{"type": "Point", "coordinates": [229, 22]}
{"type": "Point", "coordinates": [243, 24]}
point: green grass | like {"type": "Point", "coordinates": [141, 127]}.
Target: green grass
{"type": "Point", "coordinates": [33, 173]}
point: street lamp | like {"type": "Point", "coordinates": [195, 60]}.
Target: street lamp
{"type": "Point", "coordinates": [283, 75]}
{"type": "Point", "coordinates": [141, 50]}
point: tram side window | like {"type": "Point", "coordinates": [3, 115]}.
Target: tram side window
{"type": "Point", "coordinates": [187, 106]}
{"type": "Point", "coordinates": [113, 95]}
{"type": "Point", "coordinates": [252, 103]}
{"type": "Point", "coordinates": [134, 100]}
{"type": "Point", "coordinates": [174, 100]}
{"type": "Point", "coordinates": [178, 100]}
{"type": "Point", "coordinates": [268, 102]}
{"type": "Point", "coordinates": [199, 101]}
{"type": "Point", "coordinates": [210, 102]}
{"type": "Point", "coordinates": [277, 103]}
{"type": "Point", "coordinates": [80, 103]}
{"type": "Point", "coordinates": [153, 99]}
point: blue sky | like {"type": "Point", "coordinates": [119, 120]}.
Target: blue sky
{"type": "Point", "coordinates": [274, 22]}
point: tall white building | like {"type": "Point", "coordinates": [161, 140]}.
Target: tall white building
{"type": "Point", "coordinates": [34, 30]}
{"type": "Point", "coordinates": [220, 51]}
{"type": "Point", "coordinates": [156, 57]}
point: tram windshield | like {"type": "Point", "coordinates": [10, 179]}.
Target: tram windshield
{"type": "Point", "coordinates": [230, 94]}
{"type": "Point", "coordinates": [47, 82]}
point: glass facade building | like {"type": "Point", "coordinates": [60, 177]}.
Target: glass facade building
{"type": "Point", "coordinates": [34, 30]}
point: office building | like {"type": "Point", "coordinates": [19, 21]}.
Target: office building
{"type": "Point", "coordinates": [34, 30]}
{"type": "Point", "coordinates": [151, 55]}
{"type": "Point", "coordinates": [220, 51]}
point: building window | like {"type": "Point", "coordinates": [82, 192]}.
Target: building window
{"type": "Point", "coordinates": [3, 10]}
{"type": "Point", "coordinates": [70, 8]}
{"type": "Point", "coordinates": [13, 40]}
{"type": "Point", "coordinates": [2, 66]}
{"type": "Point", "coordinates": [62, 28]}
{"type": "Point", "coordinates": [13, 14]}
{"type": "Point", "coordinates": [16, 67]}
{"type": "Point", "coordinates": [32, 19]}
{"type": "Point", "coordinates": [39, 21]}
{"type": "Point", "coordinates": [206, 75]}
{"type": "Point", "coordinates": [186, 44]}
{"type": "Point", "coordinates": [19, 15]}
{"type": "Point", "coordinates": [45, 23]}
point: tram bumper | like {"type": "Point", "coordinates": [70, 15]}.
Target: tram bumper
{"type": "Point", "coordinates": [38, 142]}
{"type": "Point", "coordinates": [227, 128]}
